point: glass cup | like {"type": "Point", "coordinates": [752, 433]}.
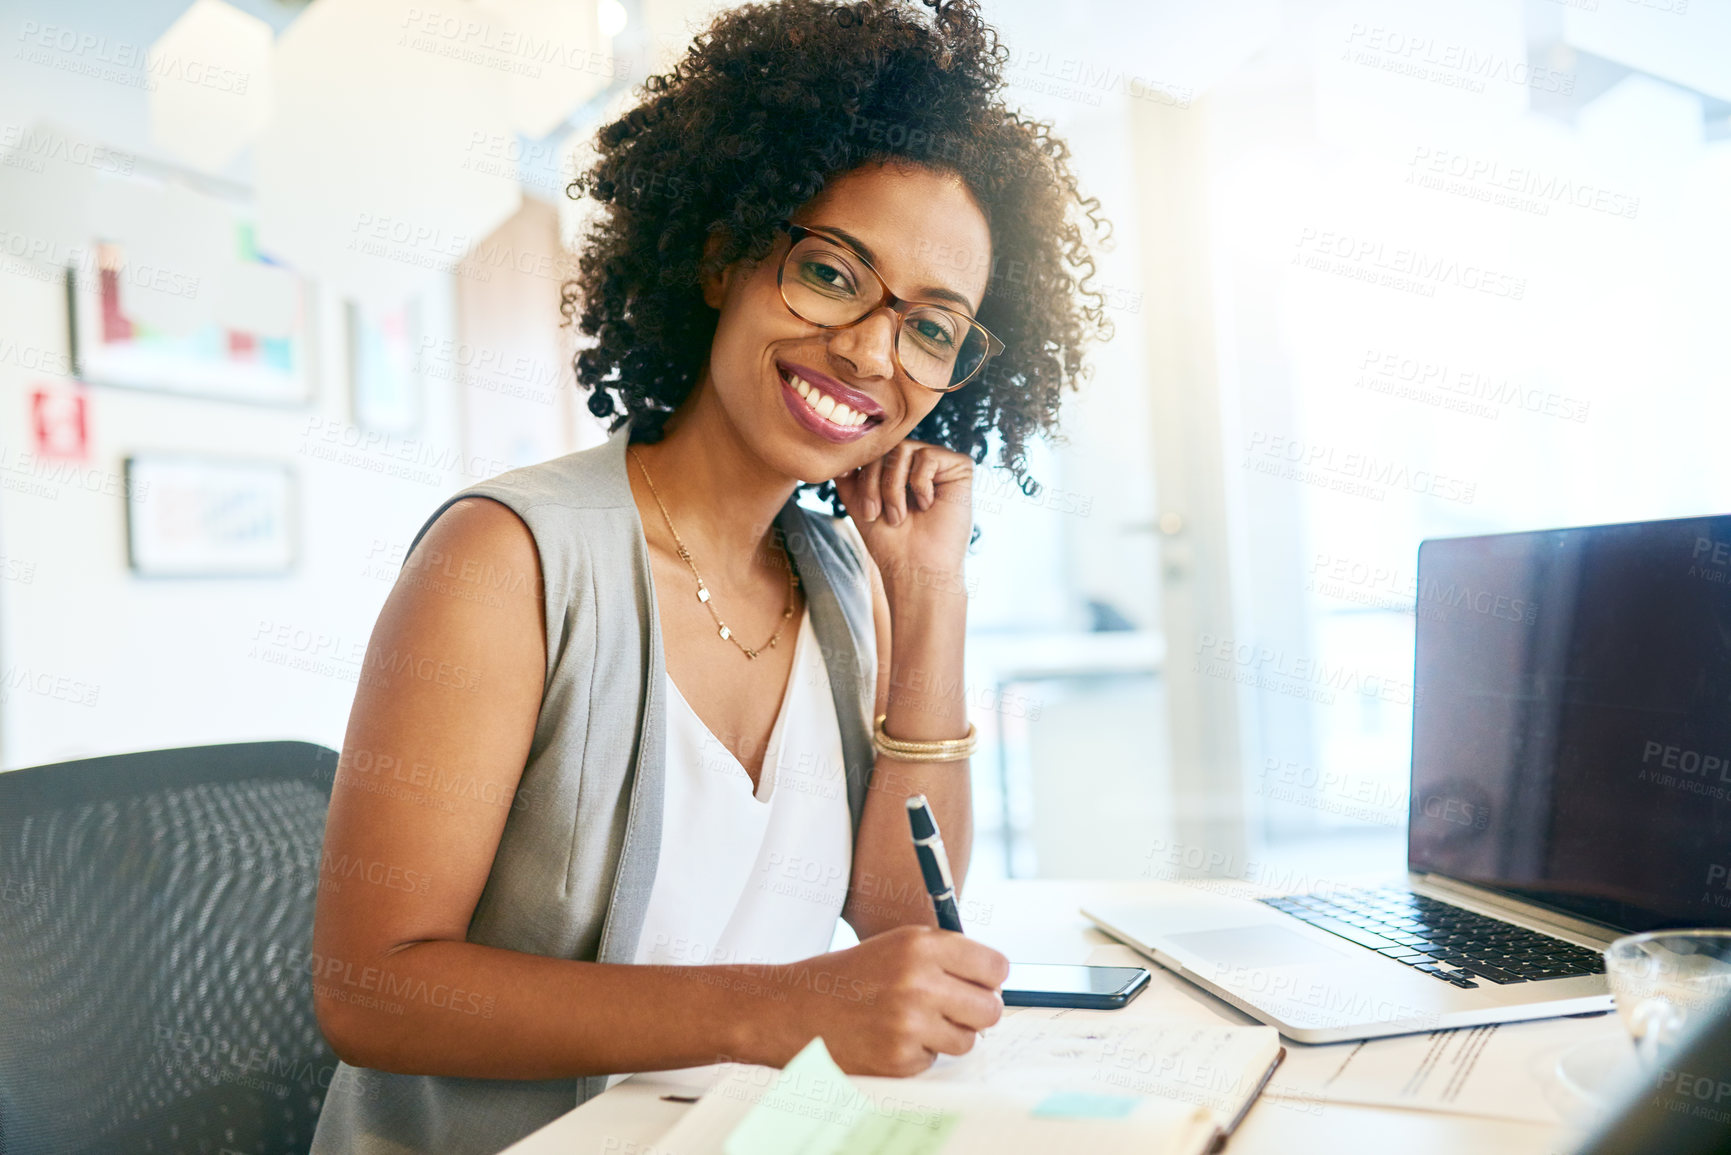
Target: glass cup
{"type": "Point", "coordinates": [1665, 982]}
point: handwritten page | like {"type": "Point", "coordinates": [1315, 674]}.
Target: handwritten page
{"type": "Point", "coordinates": [1090, 1053]}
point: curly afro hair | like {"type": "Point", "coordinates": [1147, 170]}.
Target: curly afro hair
{"type": "Point", "coordinates": [769, 103]}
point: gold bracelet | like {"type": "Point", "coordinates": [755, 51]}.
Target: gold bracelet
{"type": "Point", "coordinates": [943, 750]}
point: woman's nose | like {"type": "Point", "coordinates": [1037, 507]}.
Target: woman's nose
{"type": "Point", "coordinates": [869, 343]}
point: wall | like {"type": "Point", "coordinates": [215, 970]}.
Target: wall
{"type": "Point", "coordinates": [157, 662]}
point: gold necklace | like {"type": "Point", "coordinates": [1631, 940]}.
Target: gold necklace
{"type": "Point", "coordinates": [703, 590]}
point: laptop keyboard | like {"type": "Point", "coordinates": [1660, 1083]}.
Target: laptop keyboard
{"type": "Point", "coordinates": [1449, 942]}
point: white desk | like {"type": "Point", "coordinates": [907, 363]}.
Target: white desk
{"type": "Point", "coordinates": [1036, 921]}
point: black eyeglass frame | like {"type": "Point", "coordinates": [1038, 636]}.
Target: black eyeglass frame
{"type": "Point", "coordinates": [898, 305]}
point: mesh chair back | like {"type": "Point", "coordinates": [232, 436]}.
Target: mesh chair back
{"type": "Point", "coordinates": [156, 918]}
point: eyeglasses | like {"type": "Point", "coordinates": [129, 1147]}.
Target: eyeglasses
{"type": "Point", "coordinates": [825, 281]}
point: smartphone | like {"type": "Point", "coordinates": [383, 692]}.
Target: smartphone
{"type": "Point", "coordinates": [1054, 985]}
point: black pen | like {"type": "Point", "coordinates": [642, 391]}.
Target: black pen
{"type": "Point", "coordinates": [934, 862]}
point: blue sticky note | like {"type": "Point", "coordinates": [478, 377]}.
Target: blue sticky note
{"type": "Point", "coordinates": [1078, 1105]}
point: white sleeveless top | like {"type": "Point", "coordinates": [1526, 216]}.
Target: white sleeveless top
{"type": "Point", "coordinates": [749, 876]}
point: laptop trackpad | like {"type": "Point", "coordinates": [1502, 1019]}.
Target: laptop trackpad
{"type": "Point", "coordinates": [1260, 947]}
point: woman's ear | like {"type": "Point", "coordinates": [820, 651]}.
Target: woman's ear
{"type": "Point", "coordinates": [714, 278]}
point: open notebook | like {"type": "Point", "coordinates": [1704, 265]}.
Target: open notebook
{"type": "Point", "coordinates": [1039, 1081]}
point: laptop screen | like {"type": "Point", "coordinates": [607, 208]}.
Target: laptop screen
{"type": "Point", "coordinates": [1572, 719]}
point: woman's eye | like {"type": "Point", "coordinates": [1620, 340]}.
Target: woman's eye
{"type": "Point", "coordinates": [827, 276]}
{"type": "Point", "coordinates": [932, 331]}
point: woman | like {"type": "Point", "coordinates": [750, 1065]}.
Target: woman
{"type": "Point", "coordinates": [636, 727]}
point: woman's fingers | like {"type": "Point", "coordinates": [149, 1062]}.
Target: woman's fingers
{"type": "Point", "coordinates": [971, 961]}
{"type": "Point", "coordinates": [971, 1005]}
{"type": "Point", "coordinates": [922, 478]}
{"type": "Point", "coordinates": [907, 474]}
{"type": "Point", "coordinates": [950, 1039]}
{"type": "Point", "coordinates": [894, 487]}
{"type": "Point", "coordinates": [847, 489]}
{"type": "Point", "coordinates": [868, 489]}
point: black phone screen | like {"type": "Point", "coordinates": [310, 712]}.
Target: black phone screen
{"type": "Point", "coordinates": [1052, 984]}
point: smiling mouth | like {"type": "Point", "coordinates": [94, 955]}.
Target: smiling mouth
{"type": "Point", "coordinates": [827, 407]}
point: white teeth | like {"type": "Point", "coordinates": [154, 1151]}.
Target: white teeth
{"type": "Point", "coordinates": [827, 407]}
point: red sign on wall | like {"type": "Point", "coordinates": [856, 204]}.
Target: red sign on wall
{"type": "Point", "coordinates": [57, 416]}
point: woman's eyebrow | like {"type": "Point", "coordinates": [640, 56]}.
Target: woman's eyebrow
{"type": "Point", "coordinates": [937, 292]}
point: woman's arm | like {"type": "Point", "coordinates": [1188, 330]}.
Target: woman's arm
{"type": "Point", "coordinates": [434, 753]}
{"type": "Point", "coordinates": [919, 640]}
{"type": "Point", "coordinates": [440, 730]}
{"type": "Point", "coordinates": [920, 611]}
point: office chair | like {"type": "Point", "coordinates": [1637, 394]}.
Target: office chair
{"type": "Point", "coordinates": [156, 915]}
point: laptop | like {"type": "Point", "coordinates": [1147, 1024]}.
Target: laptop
{"type": "Point", "coordinates": [1570, 783]}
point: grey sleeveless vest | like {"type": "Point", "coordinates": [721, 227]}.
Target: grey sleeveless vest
{"type": "Point", "coordinates": [572, 875]}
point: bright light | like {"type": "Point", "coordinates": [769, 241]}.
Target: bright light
{"type": "Point", "coordinates": [613, 18]}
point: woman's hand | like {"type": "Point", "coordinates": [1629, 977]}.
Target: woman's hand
{"type": "Point", "coordinates": [915, 509]}
{"type": "Point", "coordinates": [892, 1004]}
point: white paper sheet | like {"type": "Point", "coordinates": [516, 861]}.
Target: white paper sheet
{"type": "Point", "coordinates": [1508, 1071]}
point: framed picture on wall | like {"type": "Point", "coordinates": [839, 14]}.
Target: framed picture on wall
{"type": "Point", "coordinates": [384, 376]}
{"type": "Point", "coordinates": [208, 517]}
{"type": "Point", "coordinates": [208, 315]}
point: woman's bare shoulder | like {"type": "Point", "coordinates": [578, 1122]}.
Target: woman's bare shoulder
{"type": "Point", "coordinates": [478, 550]}
{"type": "Point", "coordinates": [478, 524]}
